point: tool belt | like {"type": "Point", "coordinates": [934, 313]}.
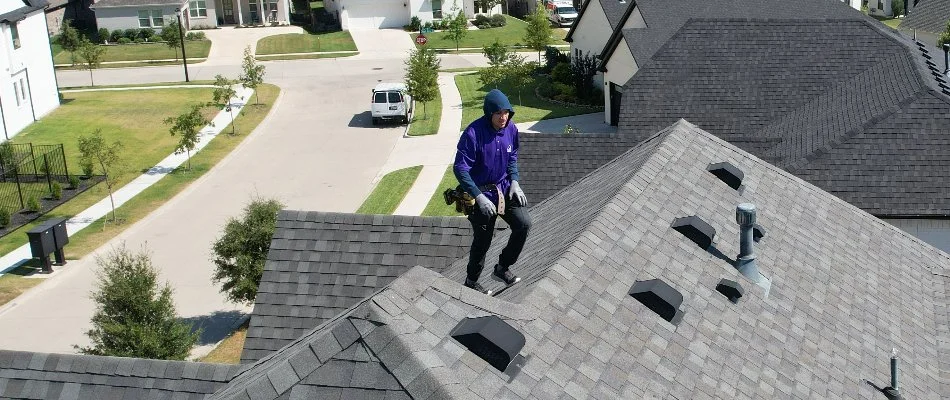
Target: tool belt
{"type": "Point", "coordinates": [465, 203]}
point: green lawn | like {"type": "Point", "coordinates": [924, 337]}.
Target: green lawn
{"type": "Point", "coordinates": [427, 122]}
{"type": "Point", "coordinates": [436, 206]}
{"type": "Point", "coordinates": [530, 108]}
{"type": "Point", "coordinates": [390, 191]}
{"type": "Point", "coordinates": [310, 56]}
{"type": "Point", "coordinates": [144, 52]}
{"type": "Point", "coordinates": [510, 34]}
{"type": "Point", "coordinates": [892, 22]}
{"type": "Point", "coordinates": [193, 82]}
{"type": "Point", "coordinates": [305, 43]}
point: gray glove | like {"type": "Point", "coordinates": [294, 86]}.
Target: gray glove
{"type": "Point", "coordinates": [515, 192]}
{"type": "Point", "coordinates": [485, 205]}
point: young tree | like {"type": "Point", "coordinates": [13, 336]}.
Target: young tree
{"type": "Point", "coordinates": [422, 76]}
{"type": "Point", "coordinates": [187, 126]}
{"type": "Point", "coordinates": [537, 35]}
{"type": "Point", "coordinates": [172, 37]}
{"type": "Point", "coordinates": [497, 54]}
{"type": "Point", "coordinates": [91, 56]}
{"type": "Point", "coordinates": [222, 94]}
{"type": "Point", "coordinates": [518, 72]}
{"type": "Point", "coordinates": [240, 252]}
{"type": "Point", "coordinates": [253, 74]}
{"type": "Point", "coordinates": [134, 317]}
{"type": "Point", "coordinates": [93, 150]}
{"type": "Point", "coordinates": [69, 38]}
{"type": "Point", "coordinates": [458, 28]}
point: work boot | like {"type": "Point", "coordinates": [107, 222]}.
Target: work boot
{"type": "Point", "coordinates": [505, 275]}
{"type": "Point", "coordinates": [476, 286]}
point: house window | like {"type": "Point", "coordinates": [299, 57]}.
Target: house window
{"type": "Point", "coordinates": [151, 18]}
{"type": "Point", "coordinates": [157, 18]}
{"type": "Point", "coordinates": [16, 91]}
{"type": "Point", "coordinates": [252, 4]}
{"type": "Point", "coordinates": [436, 8]}
{"type": "Point", "coordinates": [272, 13]}
{"type": "Point", "coordinates": [197, 8]}
{"type": "Point", "coordinates": [145, 20]}
{"type": "Point", "coordinates": [15, 34]}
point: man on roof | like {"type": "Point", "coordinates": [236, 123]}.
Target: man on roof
{"type": "Point", "coordinates": [486, 166]}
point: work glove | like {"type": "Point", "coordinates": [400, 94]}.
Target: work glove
{"type": "Point", "coordinates": [485, 205]}
{"type": "Point", "coordinates": [515, 192]}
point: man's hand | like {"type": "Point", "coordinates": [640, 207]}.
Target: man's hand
{"type": "Point", "coordinates": [515, 191]}
{"type": "Point", "coordinates": [485, 205]}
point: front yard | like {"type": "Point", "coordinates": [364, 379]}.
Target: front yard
{"type": "Point", "coordinates": [529, 108]}
{"type": "Point", "coordinates": [194, 49]}
{"type": "Point", "coordinates": [511, 34]}
{"type": "Point", "coordinates": [305, 43]}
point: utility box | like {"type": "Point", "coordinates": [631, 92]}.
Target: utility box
{"type": "Point", "coordinates": [48, 237]}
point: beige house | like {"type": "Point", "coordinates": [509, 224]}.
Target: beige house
{"type": "Point", "coordinates": [195, 14]}
{"type": "Point", "coordinates": [376, 14]}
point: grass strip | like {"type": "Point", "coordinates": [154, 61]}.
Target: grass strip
{"type": "Point", "coordinates": [228, 351]}
{"type": "Point", "coordinates": [427, 122]}
{"type": "Point", "coordinates": [144, 52]}
{"type": "Point", "coordinates": [305, 43]}
{"type": "Point", "coordinates": [390, 191]}
{"type": "Point", "coordinates": [137, 85]}
{"type": "Point", "coordinates": [436, 206]}
{"type": "Point", "coordinates": [312, 56]}
{"type": "Point", "coordinates": [135, 64]}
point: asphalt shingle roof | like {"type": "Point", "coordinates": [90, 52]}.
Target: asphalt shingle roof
{"type": "Point", "coordinates": [928, 16]}
{"type": "Point", "coordinates": [320, 264]}
{"type": "Point", "coordinates": [614, 10]}
{"type": "Point", "coordinates": [21, 13]}
{"type": "Point", "coordinates": [27, 375]}
{"type": "Point", "coordinates": [846, 289]}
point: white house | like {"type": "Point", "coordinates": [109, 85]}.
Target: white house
{"type": "Point", "coordinates": [372, 14]}
{"type": "Point", "coordinates": [195, 14]}
{"type": "Point", "coordinates": [27, 82]}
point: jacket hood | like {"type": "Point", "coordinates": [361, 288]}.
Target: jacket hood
{"type": "Point", "coordinates": [496, 100]}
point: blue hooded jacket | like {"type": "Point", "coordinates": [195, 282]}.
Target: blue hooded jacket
{"type": "Point", "coordinates": [486, 156]}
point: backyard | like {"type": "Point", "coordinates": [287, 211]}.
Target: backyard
{"type": "Point", "coordinates": [511, 34]}
{"type": "Point", "coordinates": [194, 49]}
{"type": "Point", "coordinates": [529, 108]}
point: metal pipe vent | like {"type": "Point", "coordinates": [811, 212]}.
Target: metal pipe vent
{"type": "Point", "coordinates": [745, 261]}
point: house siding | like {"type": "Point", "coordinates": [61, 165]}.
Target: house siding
{"type": "Point", "coordinates": [113, 18]}
{"type": "Point", "coordinates": [31, 63]}
{"type": "Point", "coordinates": [590, 34]}
{"type": "Point", "coordinates": [936, 232]}
{"type": "Point", "coordinates": [620, 68]}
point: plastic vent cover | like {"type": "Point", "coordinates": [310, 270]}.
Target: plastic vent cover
{"type": "Point", "coordinates": [695, 229]}
{"type": "Point", "coordinates": [731, 289]}
{"type": "Point", "coordinates": [659, 297]}
{"type": "Point", "coordinates": [728, 173]}
{"type": "Point", "coordinates": [490, 338]}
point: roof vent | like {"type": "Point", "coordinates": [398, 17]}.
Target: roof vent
{"type": "Point", "coordinates": [758, 232]}
{"type": "Point", "coordinates": [695, 229]}
{"type": "Point", "coordinates": [745, 261]}
{"type": "Point", "coordinates": [659, 297]}
{"type": "Point", "coordinates": [728, 173]}
{"type": "Point", "coordinates": [490, 338]}
{"type": "Point", "coordinates": [731, 289]}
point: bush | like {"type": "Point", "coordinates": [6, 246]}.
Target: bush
{"type": "Point", "coordinates": [546, 89]}
{"type": "Point", "coordinates": [139, 40]}
{"type": "Point", "coordinates": [562, 73]}
{"type": "Point", "coordinates": [131, 33]}
{"type": "Point", "coordinates": [428, 25]}
{"type": "Point", "coordinates": [57, 192]}
{"type": "Point", "coordinates": [481, 19]}
{"type": "Point", "coordinates": [102, 35]}
{"type": "Point", "coordinates": [498, 20]}
{"type": "Point", "coordinates": [146, 33]}
{"type": "Point", "coordinates": [33, 204]}
{"type": "Point", "coordinates": [4, 217]}
{"type": "Point", "coordinates": [115, 35]}
{"type": "Point", "coordinates": [195, 36]}
{"type": "Point", "coordinates": [73, 182]}
{"type": "Point", "coordinates": [155, 39]}
{"type": "Point", "coordinates": [552, 57]}
{"type": "Point", "coordinates": [484, 26]}
{"type": "Point", "coordinates": [124, 40]}
{"type": "Point", "coordinates": [86, 168]}
{"type": "Point", "coordinates": [897, 7]}
{"type": "Point", "coordinates": [414, 24]}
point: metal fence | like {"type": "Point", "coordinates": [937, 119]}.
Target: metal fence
{"type": "Point", "coordinates": [29, 171]}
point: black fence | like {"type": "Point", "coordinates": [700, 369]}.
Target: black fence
{"type": "Point", "coordinates": [29, 171]}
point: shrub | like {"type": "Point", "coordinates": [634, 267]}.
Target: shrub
{"type": "Point", "coordinates": [155, 39]}
{"type": "Point", "coordinates": [414, 24]}
{"type": "Point", "coordinates": [552, 57]}
{"type": "Point", "coordinates": [562, 73]}
{"type": "Point", "coordinates": [139, 40]}
{"type": "Point", "coordinates": [481, 19]}
{"type": "Point", "coordinates": [546, 89]}
{"type": "Point", "coordinates": [195, 36]}
{"type": "Point", "coordinates": [102, 35]}
{"type": "Point", "coordinates": [57, 192]}
{"type": "Point", "coordinates": [73, 182]}
{"type": "Point", "coordinates": [498, 20]}
{"type": "Point", "coordinates": [146, 33]}
{"type": "Point", "coordinates": [86, 167]}
{"type": "Point", "coordinates": [131, 33]}
{"type": "Point", "coordinates": [484, 26]}
{"type": "Point", "coordinates": [33, 204]}
{"type": "Point", "coordinates": [115, 35]}
{"type": "Point", "coordinates": [428, 25]}
{"type": "Point", "coordinates": [124, 40]}
{"type": "Point", "coordinates": [4, 217]}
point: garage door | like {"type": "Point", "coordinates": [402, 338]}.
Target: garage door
{"type": "Point", "coordinates": [372, 14]}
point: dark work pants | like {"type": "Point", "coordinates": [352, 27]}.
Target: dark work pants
{"type": "Point", "coordinates": [484, 228]}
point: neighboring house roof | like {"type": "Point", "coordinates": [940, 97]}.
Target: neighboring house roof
{"type": "Point", "coordinates": [614, 10]}
{"type": "Point", "coordinates": [27, 375]}
{"type": "Point", "coordinates": [320, 264]}
{"type": "Point", "coordinates": [928, 16]}
{"type": "Point", "coordinates": [20, 13]}
{"type": "Point", "coordinates": [846, 289]}
{"type": "Point", "coordinates": [135, 3]}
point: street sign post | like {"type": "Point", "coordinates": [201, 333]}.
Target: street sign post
{"type": "Point", "coordinates": [421, 39]}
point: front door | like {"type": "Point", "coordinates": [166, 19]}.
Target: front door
{"type": "Point", "coordinates": [616, 92]}
{"type": "Point", "coordinates": [227, 8]}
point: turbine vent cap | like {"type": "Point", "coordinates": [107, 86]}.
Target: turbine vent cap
{"type": "Point", "coordinates": [745, 214]}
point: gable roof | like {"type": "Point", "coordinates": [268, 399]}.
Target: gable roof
{"type": "Point", "coordinates": [616, 12]}
{"type": "Point", "coordinates": [843, 281]}
{"type": "Point", "coordinates": [928, 16]}
{"type": "Point", "coordinates": [321, 264]}
{"type": "Point", "coordinates": [28, 375]}
{"type": "Point", "coordinates": [20, 13]}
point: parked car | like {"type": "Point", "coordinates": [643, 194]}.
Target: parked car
{"type": "Point", "coordinates": [562, 13]}
{"type": "Point", "coordinates": [391, 102]}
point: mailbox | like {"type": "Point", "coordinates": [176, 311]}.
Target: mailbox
{"type": "Point", "coordinates": [48, 237]}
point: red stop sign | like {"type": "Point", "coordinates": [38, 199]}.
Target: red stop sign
{"type": "Point", "coordinates": [421, 39]}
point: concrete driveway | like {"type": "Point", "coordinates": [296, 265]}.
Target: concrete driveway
{"type": "Point", "coordinates": [382, 43]}
{"type": "Point", "coordinates": [228, 43]}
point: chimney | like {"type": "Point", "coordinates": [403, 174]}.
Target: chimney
{"type": "Point", "coordinates": [745, 261]}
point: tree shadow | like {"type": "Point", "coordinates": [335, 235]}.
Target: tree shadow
{"type": "Point", "coordinates": [215, 326]}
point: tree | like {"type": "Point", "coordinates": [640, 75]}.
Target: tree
{"type": "Point", "coordinates": [69, 38]}
{"type": "Point", "coordinates": [222, 94]}
{"type": "Point", "coordinates": [240, 252]}
{"type": "Point", "coordinates": [253, 75]}
{"type": "Point", "coordinates": [91, 56]}
{"type": "Point", "coordinates": [517, 72]}
{"type": "Point", "coordinates": [458, 28]}
{"type": "Point", "coordinates": [497, 54]}
{"type": "Point", "coordinates": [422, 75]}
{"type": "Point", "coordinates": [537, 34]}
{"type": "Point", "coordinates": [897, 7]}
{"type": "Point", "coordinates": [93, 150]}
{"type": "Point", "coordinates": [134, 317]}
{"type": "Point", "coordinates": [172, 36]}
{"type": "Point", "coordinates": [187, 126]}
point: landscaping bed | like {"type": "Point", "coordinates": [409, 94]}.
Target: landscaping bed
{"type": "Point", "coordinates": [512, 34]}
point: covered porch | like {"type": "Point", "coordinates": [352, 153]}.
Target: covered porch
{"type": "Point", "coordinates": [252, 12]}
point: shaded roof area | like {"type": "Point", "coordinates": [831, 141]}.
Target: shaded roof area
{"type": "Point", "coordinates": [614, 10]}
{"type": "Point", "coordinates": [27, 375]}
{"type": "Point", "coordinates": [928, 16]}
{"type": "Point", "coordinates": [846, 289]}
{"type": "Point", "coordinates": [321, 264]}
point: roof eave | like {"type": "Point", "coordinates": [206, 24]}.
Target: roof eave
{"type": "Point", "coordinates": [570, 33]}
{"type": "Point", "coordinates": [615, 37]}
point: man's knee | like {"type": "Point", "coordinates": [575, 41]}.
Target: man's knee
{"type": "Point", "coordinates": [523, 223]}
